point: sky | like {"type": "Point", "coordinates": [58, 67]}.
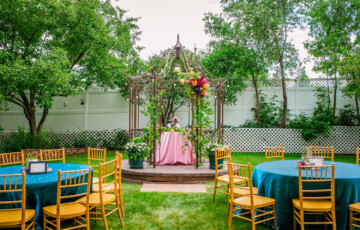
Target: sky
{"type": "Point", "coordinates": [161, 20]}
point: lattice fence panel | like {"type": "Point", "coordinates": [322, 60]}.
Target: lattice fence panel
{"type": "Point", "coordinates": [344, 139]}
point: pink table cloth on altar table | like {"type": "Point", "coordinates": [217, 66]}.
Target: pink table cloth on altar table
{"type": "Point", "coordinates": [173, 150]}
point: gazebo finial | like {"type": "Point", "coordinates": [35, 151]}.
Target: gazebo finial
{"type": "Point", "coordinates": [178, 47]}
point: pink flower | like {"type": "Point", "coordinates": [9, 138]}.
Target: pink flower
{"type": "Point", "coordinates": [205, 81]}
{"type": "Point", "coordinates": [185, 129]}
{"type": "Point", "coordinates": [199, 83]}
{"type": "Point", "coordinates": [302, 163]}
{"type": "Point", "coordinates": [202, 77]}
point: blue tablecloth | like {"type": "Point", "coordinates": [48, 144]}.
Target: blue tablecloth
{"type": "Point", "coordinates": [41, 189]}
{"type": "Point", "coordinates": [279, 180]}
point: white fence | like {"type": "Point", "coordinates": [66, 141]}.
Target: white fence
{"type": "Point", "coordinates": [109, 111]}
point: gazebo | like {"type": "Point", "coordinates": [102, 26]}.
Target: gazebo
{"type": "Point", "coordinates": [162, 77]}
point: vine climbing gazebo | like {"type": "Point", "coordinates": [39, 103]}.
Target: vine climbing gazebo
{"type": "Point", "coordinates": [162, 77]}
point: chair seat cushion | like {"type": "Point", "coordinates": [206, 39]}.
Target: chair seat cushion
{"type": "Point", "coordinates": [355, 207]}
{"type": "Point", "coordinates": [225, 179]}
{"type": "Point", "coordinates": [313, 205]}
{"type": "Point", "coordinates": [245, 191]}
{"type": "Point", "coordinates": [259, 201]}
{"type": "Point", "coordinates": [66, 210]}
{"type": "Point", "coordinates": [13, 217]}
{"type": "Point", "coordinates": [94, 199]}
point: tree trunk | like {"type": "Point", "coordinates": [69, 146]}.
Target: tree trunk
{"type": "Point", "coordinates": [257, 109]}
{"type": "Point", "coordinates": [334, 102]}
{"type": "Point", "coordinates": [357, 109]}
{"type": "Point", "coordinates": [283, 84]}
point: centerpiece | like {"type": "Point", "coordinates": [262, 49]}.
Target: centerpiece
{"type": "Point", "coordinates": [137, 150]}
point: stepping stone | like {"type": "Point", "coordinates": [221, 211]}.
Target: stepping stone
{"type": "Point", "coordinates": [186, 188]}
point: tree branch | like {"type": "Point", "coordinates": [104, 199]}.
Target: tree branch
{"type": "Point", "coordinates": [78, 58]}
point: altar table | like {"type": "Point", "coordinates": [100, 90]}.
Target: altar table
{"type": "Point", "coordinates": [172, 150]}
{"type": "Point", "coordinates": [41, 189]}
{"type": "Point", "coordinates": [279, 180]}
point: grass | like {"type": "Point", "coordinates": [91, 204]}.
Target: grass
{"type": "Point", "coordinates": [181, 210]}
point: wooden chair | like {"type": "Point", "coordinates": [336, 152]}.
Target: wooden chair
{"type": "Point", "coordinates": [326, 152]}
{"type": "Point", "coordinates": [52, 155]}
{"type": "Point", "coordinates": [354, 215]}
{"type": "Point", "coordinates": [77, 180]}
{"type": "Point", "coordinates": [16, 217]}
{"type": "Point", "coordinates": [248, 204]}
{"type": "Point", "coordinates": [225, 154]}
{"type": "Point", "coordinates": [357, 155]}
{"type": "Point", "coordinates": [110, 187]}
{"type": "Point", "coordinates": [315, 201]}
{"type": "Point", "coordinates": [12, 158]}
{"type": "Point", "coordinates": [108, 194]}
{"type": "Point", "coordinates": [274, 152]}
{"type": "Point", "coordinates": [96, 156]}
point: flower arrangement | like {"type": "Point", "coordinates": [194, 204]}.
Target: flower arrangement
{"type": "Point", "coordinates": [304, 161]}
{"type": "Point", "coordinates": [210, 147]}
{"type": "Point", "coordinates": [137, 146]}
{"type": "Point", "coordinates": [175, 120]}
{"type": "Point", "coordinates": [29, 158]}
{"type": "Point", "coordinates": [198, 85]}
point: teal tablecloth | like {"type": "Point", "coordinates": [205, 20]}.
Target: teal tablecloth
{"type": "Point", "coordinates": [279, 180]}
{"type": "Point", "coordinates": [41, 188]}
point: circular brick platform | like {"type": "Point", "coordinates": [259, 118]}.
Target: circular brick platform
{"type": "Point", "coordinates": [177, 174]}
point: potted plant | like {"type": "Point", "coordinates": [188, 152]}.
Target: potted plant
{"type": "Point", "coordinates": [210, 149]}
{"type": "Point", "coordinates": [29, 158]}
{"type": "Point", "coordinates": [136, 150]}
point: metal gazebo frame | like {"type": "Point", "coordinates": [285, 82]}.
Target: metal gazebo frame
{"type": "Point", "coordinates": [158, 78]}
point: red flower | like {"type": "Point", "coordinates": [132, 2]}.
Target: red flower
{"type": "Point", "coordinates": [199, 83]}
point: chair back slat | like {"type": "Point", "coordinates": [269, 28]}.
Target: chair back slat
{"type": "Point", "coordinates": [326, 152]}
{"type": "Point", "coordinates": [11, 185]}
{"type": "Point", "coordinates": [240, 171]}
{"type": "Point", "coordinates": [52, 155]}
{"type": "Point", "coordinates": [274, 152]}
{"type": "Point", "coordinates": [222, 153]}
{"type": "Point", "coordinates": [320, 177]}
{"type": "Point", "coordinates": [12, 158]}
{"type": "Point", "coordinates": [73, 179]}
{"type": "Point", "coordinates": [96, 156]}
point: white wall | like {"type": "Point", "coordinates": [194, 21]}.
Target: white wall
{"type": "Point", "coordinates": [108, 110]}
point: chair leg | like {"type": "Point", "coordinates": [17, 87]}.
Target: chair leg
{"type": "Point", "coordinates": [230, 215]}
{"type": "Point", "coordinates": [215, 184]}
{"type": "Point", "coordinates": [33, 224]}
{"type": "Point", "coordinates": [44, 222]}
{"type": "Point", "coordinates": [333, 218]}
{"type": "Point", "coordinates": [294, 219]}
{"type": "Point", "coordinates": [302, 220]}
{"type": "Point", "coordinates": [58, 223]}
{"type": "Point", "coordinates": [104, 216]}
{"type": "Point", "coordinates": [227, 190]}
{"type": "Point", "coordinates": [252, 219]}
{"type": "Point", "coordinates": [121, 203]}
{"type": "Point", "coordinates": [275, 222]}
{"type": "Point", "coordinates": [118, 206]}
{"type": "Point", "coordinates": [350, 220]}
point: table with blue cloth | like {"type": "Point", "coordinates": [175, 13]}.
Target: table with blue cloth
{"type": "Point", "coordinates": [41, 189]}
{"type": "Point", "coordinates": [279, 180]}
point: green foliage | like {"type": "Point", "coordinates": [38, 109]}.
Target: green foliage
{"type": "Point", "coordinates": [54, 48]}
{"type": "Point", "coordinates": [270, 113]}
{"type": "Point", "coordinates": [320, 121]}
{"type": "Point", "coordinates": [21, 139]}
{"type": "Point", "coordinates": [84, 140]}
{"type": "Point", "coordinates": [137, 146]}
{"type": "Point", "coordinates": [347, 117]}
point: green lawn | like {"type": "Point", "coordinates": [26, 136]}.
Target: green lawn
{"type": "Point", "coordinates": [181, 210]}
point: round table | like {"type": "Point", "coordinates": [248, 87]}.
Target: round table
{"type": "Point", "coordinates": [279, 180]}
{"type": "Point", "coordinates": [41, 188]}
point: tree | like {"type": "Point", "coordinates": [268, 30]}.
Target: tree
{"type": "Point", "coordinates": [332, 24]}
{"type": "Point", "coordinates": [349, 69]}
{"type": "Point", "coordinates": [264, 25]}
{"type": "Point", "coordinates": [238, 64]}
{"type": "Point", "coordinates": [57, 48]}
